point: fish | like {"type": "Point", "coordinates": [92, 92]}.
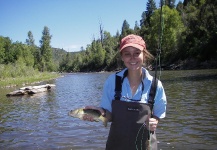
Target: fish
{"type": "Point", "coordinates": [96, 114]}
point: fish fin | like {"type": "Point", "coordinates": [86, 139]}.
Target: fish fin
{"type": "Point", "coordinates": [104, 120]}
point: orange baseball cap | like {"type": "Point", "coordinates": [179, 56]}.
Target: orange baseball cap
{"type": "Point", "coordinates": [134, 41]}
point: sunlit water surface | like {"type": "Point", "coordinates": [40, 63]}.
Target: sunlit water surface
{"type": "Point", "coordinates": [42, 122]}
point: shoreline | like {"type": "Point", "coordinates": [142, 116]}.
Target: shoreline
{"type": "Point", "coordinates": [22, 81]}
{"type": "Point", "coordinates": [42, 77]}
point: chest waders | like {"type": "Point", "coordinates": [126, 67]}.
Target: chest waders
{"type": "Point", "coordinates": [128, 130]}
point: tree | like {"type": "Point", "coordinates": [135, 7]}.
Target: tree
{"type": "Point", "coordinates": [145, 21]}
{"type": "Point", "coordinates": [9, 57]}
{"type": "Point", "coordinates": [99, 56]}
{"type": "Point", "coordinates": [66, 63]}
{"type": "Point", "coordinates": [126, 29]}
{"type": "Point", "coordinates": [22, 53]}
{"type": "Point", "coordinates": [136, 28]}
{"type": "Point", "coordinates": [172, 29]}
{"type": "Point", "coordinates": [170, 3]}
{"type": "Point", "coordinates": [201, 33]}
{"type": "Point", "coordinates": [30, 41]}
{"type": "Point", "coordinates": [110, 48]}
{"type": "Point", "coordinates": [143, 18]}
{"type": "Point", "coordinates": [46, 60]}
{"type": "Point", "coordinates": [150, 8]}
{"type": "Point", "coordinates": [101, 33]}
{"type": "Point", "coordinates": [2, 49]}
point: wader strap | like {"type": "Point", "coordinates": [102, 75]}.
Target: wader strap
{"type": "Point", "coordinates": [152, 93]}
{"type": "Point", "coordinates": [151, 98]}
{"type": "Point", "coordinates": [118, 85]}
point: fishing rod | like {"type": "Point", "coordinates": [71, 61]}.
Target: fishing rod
{"type": "Point", "coordinates": [160, 34]}
{"type": "Point", "coordinates": [157, 59]}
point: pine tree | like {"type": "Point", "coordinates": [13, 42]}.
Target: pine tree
{"type": "Point", "coordinates": [30, 41]}
{"type": "Point", "coordinates": [126, 29]}
{"type": "Point", "coordinates": [150, 7]}
{"type": "Point", "coordinates": [46, 61]}
{"type": "Point", "coordinates": [170, 3]}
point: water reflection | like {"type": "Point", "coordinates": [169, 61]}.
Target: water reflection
{"type": "Point", "coordinates": [41, 121]}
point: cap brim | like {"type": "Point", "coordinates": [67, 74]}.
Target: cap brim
{"type": "Point", "coordinates": [133, 45]}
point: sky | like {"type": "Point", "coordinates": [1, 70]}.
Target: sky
{"type": "Point", "coordinates": [72, 23]}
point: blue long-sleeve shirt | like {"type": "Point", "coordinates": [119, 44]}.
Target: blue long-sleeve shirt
{"type": "Point", "coordinates": [159, 109]}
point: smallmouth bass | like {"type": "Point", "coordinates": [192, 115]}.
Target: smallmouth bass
{"type": "Point", "coordinates": [96, 114]}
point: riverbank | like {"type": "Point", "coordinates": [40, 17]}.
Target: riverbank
{"type": "Point", "coordinates": [39, 77]}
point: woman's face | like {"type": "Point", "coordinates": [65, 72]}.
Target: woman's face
{"type": "Point", "coordinates": [132, 57]}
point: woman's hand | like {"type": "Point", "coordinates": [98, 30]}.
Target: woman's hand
{"type": "Point", "coordinates": [153, 122]}
{"type": "Point", "coordinates": [89, 117]}
{"type": "Point", "coordinates": [103, 112]}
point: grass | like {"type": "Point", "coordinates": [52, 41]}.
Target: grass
{"type": "Point", "coordinates": [10, 82]}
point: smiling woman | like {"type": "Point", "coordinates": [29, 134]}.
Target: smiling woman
{"type": "Point", "coordinates": [126, 100]}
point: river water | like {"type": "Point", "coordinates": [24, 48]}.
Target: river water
{"type": "Point", "coordinates": [42, 122]}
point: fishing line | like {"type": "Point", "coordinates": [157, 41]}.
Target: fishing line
{"type": "Point", "coordinates": [158, 60]}
{"type": "Point", "coordinates": [160, 34]}
{"type": "Point", "coordinates": [144, 126]}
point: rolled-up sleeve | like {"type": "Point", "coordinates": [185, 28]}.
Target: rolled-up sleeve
{"type": "Point", "coordinates": [108, 93]}
{"type": "Point", "coordinates": [159, 109]}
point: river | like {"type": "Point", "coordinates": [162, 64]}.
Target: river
{"type": "Point", "coordinates": [42, 122]}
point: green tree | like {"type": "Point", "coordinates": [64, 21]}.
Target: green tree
{"type": "Point", "coordinates": [66, 63]}
{"type": "Point", "coordinates": [77, 63]}
{"type": "Point", "coordinates": [126, 29]}
{"type": "Point", "coordinates": [143, 19]}
{"type": "Point", "coordinates": [2, 49]}
{"type": "Point", "coordinates": [172, 29]}
{"type": "Point", "coordinates": [170, 3]}
{"type": "Point", "coordinates": [28, 56]}
{"type": "Point", "coordinates": [136, 28]}
{"type": "Point", "coordinates": [201, 33]}
{"type": "Point", "coordinates": [46, 62]}
{"type": "Point", "coordinates": [99, 56]}
{"type": "Point", "coordinates": [110, 46]}
{"type": "Point", "coordinates": [9, 56]}
{"type": "Point", "coordinates": [150, 8]}
{"type": "Point", "coordinates": [30, 41]}
{"type": "Point", "coordinates": [23, 53]}
{"type": "Point", "coordinates": [146, 16]}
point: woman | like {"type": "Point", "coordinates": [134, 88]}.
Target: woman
{"type": "Point", "coordinates": [125, 100]}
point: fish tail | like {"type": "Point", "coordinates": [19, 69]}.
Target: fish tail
{"type": "Point", "coordinates": [104, 120]}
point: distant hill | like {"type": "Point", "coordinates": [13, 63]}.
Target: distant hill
{"type": "Point", "coordinates": [59, 54]}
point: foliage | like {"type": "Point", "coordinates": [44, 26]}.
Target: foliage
{"type": "Point", "coordinates": [17, 69]}
{"type": "Point", "coordinates": [201, 33]}
{"type": "Point", "coordinates": [30, 41]}
{"type": "Point", "coordinates": [172, 28]}
{"type": "Point", "coordinates": [126, 30]}
{"type": "Point", "coordinates": [170, 3]}
{"type": "Point", "coordinates": [46, 61]}
{"type": "Point", "coordinates": [145, 22]}
{"type": "Point", "coordinates": [189, 31]}
{"type": "Point", "coordinates": [151, 7]}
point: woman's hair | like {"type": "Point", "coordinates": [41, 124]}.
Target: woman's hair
{"type": "Point", "coordinates": [148, 58]}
